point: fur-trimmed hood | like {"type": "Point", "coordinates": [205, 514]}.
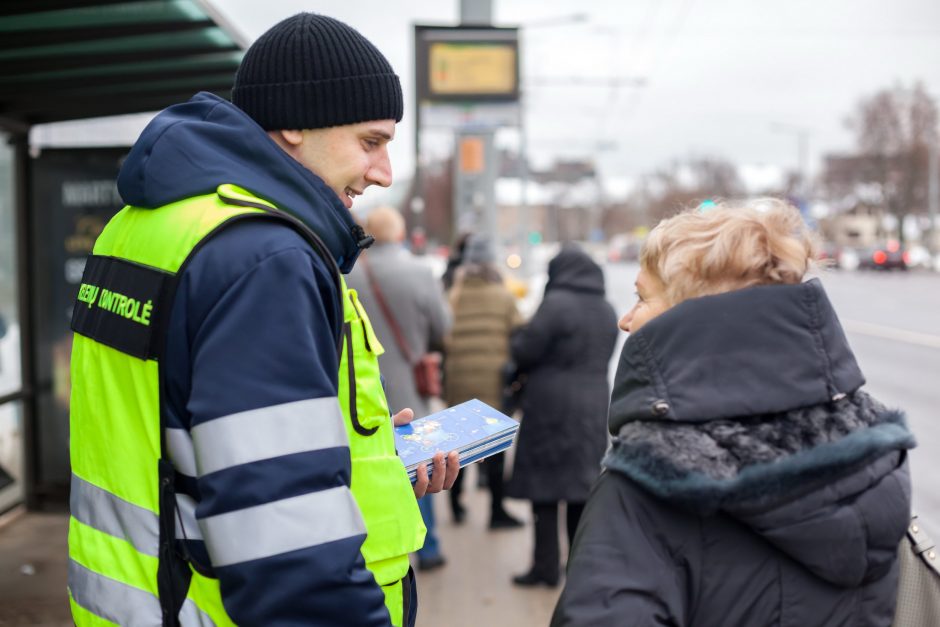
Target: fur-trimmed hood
{"type": "Point", "coordinates": [749, 403]}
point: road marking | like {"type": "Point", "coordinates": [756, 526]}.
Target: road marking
{"type": "Point", "coordinates": [891, 333]}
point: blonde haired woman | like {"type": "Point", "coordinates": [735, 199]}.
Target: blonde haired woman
{"type": "Point", "coordinates": [751, 481]}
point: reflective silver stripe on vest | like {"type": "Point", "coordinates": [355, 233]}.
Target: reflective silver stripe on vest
{"type": "Point", "coordinates": [192, 616]}
{"type": "Point", "coordinates": [179, 446]}
{"type": "Point", "coordinates": [269, 432]}
{"type": "Point", "coordinates": [112, 600]}
{"type": "Point", "coordinates": [281, 526]}
{"type": "Point", "coordinates": [114, 516]}
{"type": "Point", "coordinates": [186, 512]}
{"type": "Point", "coordinates": [124, 604]}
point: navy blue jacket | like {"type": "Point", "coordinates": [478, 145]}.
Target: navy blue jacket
{"type": "Point", "coordinates": [250, 372]}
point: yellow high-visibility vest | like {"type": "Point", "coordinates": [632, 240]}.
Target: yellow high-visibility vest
{"type": "Point", "coordinates": [118, 481]}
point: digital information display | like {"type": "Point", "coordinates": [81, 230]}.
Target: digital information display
{"type": "Point", "coordinates": [467, 65]}
{"type": "Point", "coordinates": [472, 69]}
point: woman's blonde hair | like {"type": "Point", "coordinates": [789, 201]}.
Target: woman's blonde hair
{"type": "Point", "coordinates": [728, 247]}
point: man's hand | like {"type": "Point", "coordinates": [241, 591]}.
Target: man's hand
{"type": "Point", "coordinates": [403, 417]}
{"type": "Point", "coordinates": [445, 473]}
{"type": "Point", "coordinates": [446, 468]}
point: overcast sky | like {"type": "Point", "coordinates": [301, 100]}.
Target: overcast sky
{"type": "Point", "coordinates": [727, 78]}
{"type": "Point", "coordinates": [719, 73]}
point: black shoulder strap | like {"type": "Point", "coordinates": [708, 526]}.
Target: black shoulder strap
{"type": "Point", "coordinates": [173, 571]}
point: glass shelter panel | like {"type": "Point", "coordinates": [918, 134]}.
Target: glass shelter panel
{"type": "Point", "coordinates": [11, 380]}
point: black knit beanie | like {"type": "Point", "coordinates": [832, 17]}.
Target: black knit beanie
{"type": "Point", "coordinates": [312, 71]}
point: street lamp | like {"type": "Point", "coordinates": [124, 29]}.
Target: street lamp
{"type": "Point", "coordinates": [933, 196]}
{"type": "Point", "coordinates": [559, 20]}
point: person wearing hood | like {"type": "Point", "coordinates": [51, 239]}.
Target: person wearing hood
{"type": "Point", "coordinates": [232, 453]}
{"type": "Point", "coordinates": [564, 352]}
{"type": "Point", "coordinates": [751, 480]}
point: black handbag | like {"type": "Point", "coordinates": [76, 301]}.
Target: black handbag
{"type": "Point", "coordinates": [919, 580]}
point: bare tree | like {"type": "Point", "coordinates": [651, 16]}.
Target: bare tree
{"type": "Point", "coordinates": [684, 184]}
{"type": "Point", "coordinates": [437, 192]}
{"type": "Point", "coordinates": [893, 129]}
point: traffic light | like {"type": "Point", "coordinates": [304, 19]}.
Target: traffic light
{"type": "Point", "coordinates": [535, 237]}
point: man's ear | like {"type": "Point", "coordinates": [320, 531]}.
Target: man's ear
{"type": "Point", "coordinates": [292, 137]}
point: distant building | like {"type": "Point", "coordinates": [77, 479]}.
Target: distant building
{"type": "Point", "coordinates": [853, 230]}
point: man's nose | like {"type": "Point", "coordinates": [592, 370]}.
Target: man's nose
{"type": "Point", "coordinates": [381, 171]}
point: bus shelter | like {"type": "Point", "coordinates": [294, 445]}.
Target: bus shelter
{"type": "Point", "coordinates": [73, 60]}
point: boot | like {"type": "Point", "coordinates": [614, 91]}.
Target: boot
{"type": "Point", "coordinates": [500, 519]}
{"type": "Point", "coordinates": [533, 578]}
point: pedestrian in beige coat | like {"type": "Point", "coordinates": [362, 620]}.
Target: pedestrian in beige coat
{"type": "Point", "coordinates": [485, 313]}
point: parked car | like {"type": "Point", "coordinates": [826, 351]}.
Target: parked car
{"type": "Point", "coordinates": [830, 256]}
{"type": "Point", "coordinates": [919, 257]}
{"type": "Point", "coordinates": [623, 249]}
{"type": "Point", "coordinates": [849, 259]}
{"type": "Point", "coordinates": [887, 257]}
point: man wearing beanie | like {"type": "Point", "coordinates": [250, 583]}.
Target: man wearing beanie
{"type": "Point", "coordinates": [232, 451]}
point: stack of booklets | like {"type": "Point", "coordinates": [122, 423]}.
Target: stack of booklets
{"type": "Point", "coordinates": [473, 429]}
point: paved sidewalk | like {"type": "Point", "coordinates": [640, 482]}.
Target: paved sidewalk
{"type": "Point", "coordinates": [32, 570]}
{"type": "Point", "coordinates": [472, 590]}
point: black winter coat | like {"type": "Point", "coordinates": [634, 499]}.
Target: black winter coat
{"type": "Point", "coordinates": [565, 350]}
{"type": "Point", "coordinates": [751, 482]}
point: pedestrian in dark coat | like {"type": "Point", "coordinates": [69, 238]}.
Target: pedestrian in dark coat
{"type": "Point", "coordinates": [564, 351]}
{"type": "Point", "coordinates": [751, 481]}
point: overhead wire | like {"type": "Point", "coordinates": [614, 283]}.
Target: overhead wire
{"type": "Point", "coordinates": [669, 40]}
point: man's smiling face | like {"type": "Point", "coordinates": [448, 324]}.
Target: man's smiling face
{"type": "Point", "coordinates": [348, 158]}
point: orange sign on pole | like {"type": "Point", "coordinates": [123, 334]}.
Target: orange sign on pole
{"type": "Point", "coordinates": [471, 155]}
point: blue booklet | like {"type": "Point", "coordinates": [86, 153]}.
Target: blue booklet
{"type": "Point", "coordinates": [473, 429]}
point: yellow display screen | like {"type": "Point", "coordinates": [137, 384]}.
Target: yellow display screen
{"type": "Point", "coordinates": [472, 68]}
